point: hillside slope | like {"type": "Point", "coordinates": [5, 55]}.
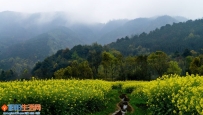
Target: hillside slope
{"type": "Point", "coordinates": [169, 38]}
{"type": "Point", "coordinates": [135, 27]}
{"type": "Point", "coordinates": [43, 45]}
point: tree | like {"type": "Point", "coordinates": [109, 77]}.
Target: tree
{"type": "Point", "coordinates": [107, 63]}
{"type": "Point", "coordinates": [75, 56]}
{"type": "Point", "coordinates": [8, 75]}
{"type": "Point", "coordinates": [94, 58]}
{"type": "Point", "coordinates": [59, 73]}
{"type": "Point", "coordinates": [186, 64]}
{"type": "Point", "coordinates": [111, 63]}
{"type": "Point", "coordinates": [85, 70]}
{"type": "Point", "coordinates": [174, 68]}
{"type": "Point", "coordinates": [176, 54]}
{"type": "Point", "coordinates": [63, 73]}
{"type": "Point", "coordinates": [25, 74]}
{"type": "Point", "coordinates": [196, 66]}
{"type": "Point", "coordinates": [129, 68]}
{"type": "Point", "coordinates": [68, 72]}
{"type": "Point", "coordinates": [75, 69]}
{"type": "Point", "coordinates": [81, 71]}
{"type": "Point", "coordinates": [118, 66]}
{"type": "Point", "coordinates": [142, 70]}
{"type": "Point", "coordinates": [2, 76]}
{"type": "Point", "coordinates": [186, 53]}
{"type": "Point", "coordinates": [158, 61]}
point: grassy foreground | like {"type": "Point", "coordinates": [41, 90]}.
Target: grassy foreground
{"type": "Point", "coordinates": [138, 104]}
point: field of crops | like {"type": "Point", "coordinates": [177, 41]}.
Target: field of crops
{"type": "Point", "coordinates": [57, 96]}
{"type": "Point", "coordinates": [171, 94]}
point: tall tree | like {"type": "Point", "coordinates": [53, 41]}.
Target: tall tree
{"type": "Point", "coordinates": [85, 70]}
{"type": "Point", "coordinates": [129, 68]}
{"type": "Point", "coordinates": [107, 62]}
{"type": "Point", "coordinates": [111, 63]}
{"type": "Point", "coordinates": [196, 66]}
{"type": "Point", "coordinates": [142, 69]}
{"type": "Point", "coordinates": [59, 74]}
{"type": "Point", "coordinates": [94, 58]}
{"type": "Point", "coordinates": [158, 61]}
{"type": "Point", "coordinates": [2, 76]}
{"type": "Point", "coordinates": [75, 69]}
{"type": "Point", "coordinates": [186, 53]}
{"type": "Point", "coordinates": [118, 63]}
{"type": "Point", "coordinates": [174, 68]}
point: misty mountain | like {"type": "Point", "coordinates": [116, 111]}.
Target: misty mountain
{"type": "Point", "coordinates": [86, 33]}
{"type": "Point", "coordinates": [180, 18]}
{"type": "Point", "coordinates": [17, 27]}
{"type": "Point", "coordinates": [36, 36]}
{"type": "Point", "coordinates": [112, 25]}
{"type": "Point", "coordinates": [137, 26]}
{"type": "Point", "coordinates": [90, 33]}
{"type": "Point", "coordinates": [11, 31]}
{"type": "Point", "coordinates": [43, 45]}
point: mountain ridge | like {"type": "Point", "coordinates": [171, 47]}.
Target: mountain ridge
{"type": "Point", "coordinates": [37, 41]}
{"type": "Point", "coordinates": [137, 26]}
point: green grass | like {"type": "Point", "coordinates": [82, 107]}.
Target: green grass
{"type": "Point", "coordinates": [138, 105]}
{"type": "Point", "coordinates": [113, 99]}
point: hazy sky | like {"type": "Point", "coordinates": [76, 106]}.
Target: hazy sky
{"type": "Point", "coordinates": [105, 10]}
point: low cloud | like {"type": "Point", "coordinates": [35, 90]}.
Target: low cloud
{"type": "Point", "coordinates": [105, 10]}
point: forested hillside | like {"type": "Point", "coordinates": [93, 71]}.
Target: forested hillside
{"type": "Point", "coordinates": [97, 62]}
{"type": "Point", "coordinates": [136, 27]}
{"type": "Point", "coordinates": [169, 38]}
{"type": "Point", "coordinates": [170, 49]}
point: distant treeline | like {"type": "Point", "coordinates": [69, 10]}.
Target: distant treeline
{"type": "Point", "coordinates": [100, 62]}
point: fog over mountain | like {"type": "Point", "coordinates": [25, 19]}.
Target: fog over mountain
{"type": "Point", "coordinates": [104, 10]}
{"type": "Point", "coordinates": [35, 36]}
{"type": "Point", "coordinates": [137, 26]}
{"type": "Point", "coordinates": [31, 37]}
{"type": "Point", "coordinates": [17, 27]}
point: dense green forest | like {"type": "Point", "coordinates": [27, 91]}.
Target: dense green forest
{"type": "Point", "coordinates": [100, 62]}
{"type": "Point", "coordinates": [171, 49]}
{"type": "Point", "coordinates": [97, 62]}
{"type": "Point", "coordinates": [169, 38]}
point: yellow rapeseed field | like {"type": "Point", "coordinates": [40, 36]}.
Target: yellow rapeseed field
{"type": "Point", "coordinates": [76, 95]}
{"type": "Point", "coordinates": [170, 94]}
